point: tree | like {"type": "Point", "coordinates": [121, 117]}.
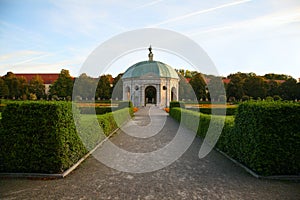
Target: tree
{"type": "Point", "coordinates": [199, 86]}
{"type": "Point", "coordinates": [3, 89]}
{"type": "Point", "coordinates": [216, 89]}
{"type": "Point", "coordinates": [12, 83]}
{"type": "Point", "coordinates": [255, 86]}
{"type": "Point", "coordinates": [63, 86]}
{"type": "Point", "coordinates": [37, 87]}
{"type": "Point", "coordinates": [272, 88]}
{"type": "Point", "coordinates": [234, 89]}
{"type": "Point", "coordinates": [117, 90]}
{"type": "Point", "coordinates": [103, 90]}
{"type": "Point", "coordinates": [85, 86]}
{"type": "Point", "coordinates": [23, 88]}
{"type": "Point", "coordinates": [185, 89]}
{"type": "Point", "coordinates": [288, 89]}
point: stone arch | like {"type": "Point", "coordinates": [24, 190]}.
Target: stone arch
{"type": "Point", "coordinates": [173, 94]}
{"type": "Point", "coordinates": [127, 91]}
{"type": "Point", "coordinates": [150, 95]}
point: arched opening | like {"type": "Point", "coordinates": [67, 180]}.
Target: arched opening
{"type": "Point", "coordinates": [128, 93]}
{"type": "Point", "coordinates": [150, 95]}
{"type": "Point", "coordinates": [173, 94]}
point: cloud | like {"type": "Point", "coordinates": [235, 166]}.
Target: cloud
{"type": "Point", "coordinates": [272, 20]}
{"type": "Point", "coordinates": [200, 12]}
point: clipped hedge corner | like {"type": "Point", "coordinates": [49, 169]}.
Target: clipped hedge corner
{"type": "Point", "coordinates": [39, 137]}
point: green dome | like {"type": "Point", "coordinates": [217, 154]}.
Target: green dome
{"type": "Point", "coordinates": [154, 68]}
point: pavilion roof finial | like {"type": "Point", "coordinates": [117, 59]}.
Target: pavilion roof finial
{"type": "Point", "coordinates": [150, 55]}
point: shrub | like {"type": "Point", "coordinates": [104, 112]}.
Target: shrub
{"type": "Point", "coordinates": [125, 104]}
{"type": "Point", "coordinates": [265, 136]}
{"type": "Point", "coordinates": [217, 111]}
{"type": "Point", "coordinates": [174, 104]}
{"type": "Point", "coordinates": [268, 137]}
{"type": "Point", "coordinates": [90, 132]}
{"type": "Point", "coordinates": [95, 110]}
{"type": "Point", "coordinates": [39, 137]}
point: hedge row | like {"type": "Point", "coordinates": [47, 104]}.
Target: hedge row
{"type": "Point", "coordinates": [95, 110]}
{"type": "Point", "coordinates": [90, 132]}
{"type": "Point", "coordinates": [265, 136]}
{"type": "Point", "coordinates": [39, 137]}
{"type": "Point", "coordinates": [217, 111]}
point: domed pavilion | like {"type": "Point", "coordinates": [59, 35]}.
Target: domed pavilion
{"type": "Point", "coordinates": [150, 82]}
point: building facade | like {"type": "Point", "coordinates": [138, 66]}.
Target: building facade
{"type": "Point", "coordinates": [150, 82]}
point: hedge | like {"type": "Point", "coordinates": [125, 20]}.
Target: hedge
{"type": "Point", "coordinates": [95, 110]}
{"type": "Point", "coordinates": [264, 136]}
{"type": "Point", "coordinates": [39, 137]}
{"type": "Point", "coordinates": [174, 104]}
{"type": "Point", "coordinates": [267, 135]}
{"type": "Point", "coordinates": [218, 111]}
{"type": "Point", "coordinates": [90, 132]}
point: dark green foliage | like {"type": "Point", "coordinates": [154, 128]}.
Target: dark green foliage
{"type": "Point", "coordinates": [39, 137]}
{"type": "Point", "coordinates": [63, 86]}
{"type": "Point", "coordinates": [217, 111]}
{"type": "Point", "coordinates": [95, 110]}
{"type": "Point", "coordinates": [174, 104]}
{"type": "Point", "coordinates": [125, 104]}
{"type": "Point", "coordinates": [268, 137]}
{"type": "Point", "coordinates": [90, 131]}
{"type": "Point", "coordinates": [265, 136]}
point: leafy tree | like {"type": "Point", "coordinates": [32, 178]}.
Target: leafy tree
{"type": "Point", "coordinates": [37, 87]}
{"type": "Point", "coordinates": [272, 88]}
{"type": "Point", "coordinates": [199, 86]}
{"type": "Point", "coordinates": [288, 89]}
{"type": "Point", "coordinates": [216, 88]}
{"type": "Point", "coordinates": [23, 88]}
{"type": "Point", "coordinates": [234, 89]}
{"type": "Point", "coordinates": [103, 90]}
{"type": "Point", "coordinates": [272, 76]}
{"type": "Point", "coordinates": [117, 92]}
{"type": "Point", "coordinates": [63, 86]}
{"type": "Point", "coordinates": [85, 86]}
{"type": "Point", "coordinates": [3, 89]}
{"type": "Point", "coordinates": [255, 86]}
{"type": "Point", "coordinates": [185, 89]}
{"type": "Point", "coordinates": [12, 83]}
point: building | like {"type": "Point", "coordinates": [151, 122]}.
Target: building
{"type": "Point", "coordinates": [48, 79]}
{"type": "Point", "coordinates": [150, 82]}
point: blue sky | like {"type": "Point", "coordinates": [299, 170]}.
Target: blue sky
{"type": "Point", "coordinates": [238, 35]}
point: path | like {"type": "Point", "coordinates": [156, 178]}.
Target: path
{"type": "Point", "coordinates": [214, 177]}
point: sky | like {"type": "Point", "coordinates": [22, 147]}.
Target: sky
{"type": "Point", "coordinates": [260, 36]}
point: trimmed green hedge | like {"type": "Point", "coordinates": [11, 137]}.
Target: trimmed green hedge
{"type": "Point", "coordinates": [218, 111]}
{"type": "Point", "coordinates": [91, 134]}
{"type": "Point", "coordinates": [39, 137]}
{"type": "Point", "coordinates": [265, 136]}
{"type": "Point", "coordinates": [97, 110]}
{"type": "Point", "coordinates": [174, 104]}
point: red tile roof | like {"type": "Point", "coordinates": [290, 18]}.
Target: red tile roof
{"type": "Point", "coordinates": [47, 78]}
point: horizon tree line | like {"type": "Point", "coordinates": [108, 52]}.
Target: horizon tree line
{"type": "Point", "coordinates": [193, 86]}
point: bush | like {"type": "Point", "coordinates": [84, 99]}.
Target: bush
{"type": "Point", "coordinates": [218, 111]}
{"type": "Point", "coordinates": [265, 136]}
{"type": "Point", "coordinates": [95, 110]}
{"type": "Point", "coordinates": [125, 104]}
{"type": "Point", "coordinates": [39, 137]}
{"type": "Point", "coordinates": [90, 132]}
{"type": "Point", "coordinates": [268, 137]}
{"type": "Point", "coordinates": [174, 104]}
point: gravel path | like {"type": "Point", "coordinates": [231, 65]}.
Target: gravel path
{"type": "Point", "coordinates": [214, 177]}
